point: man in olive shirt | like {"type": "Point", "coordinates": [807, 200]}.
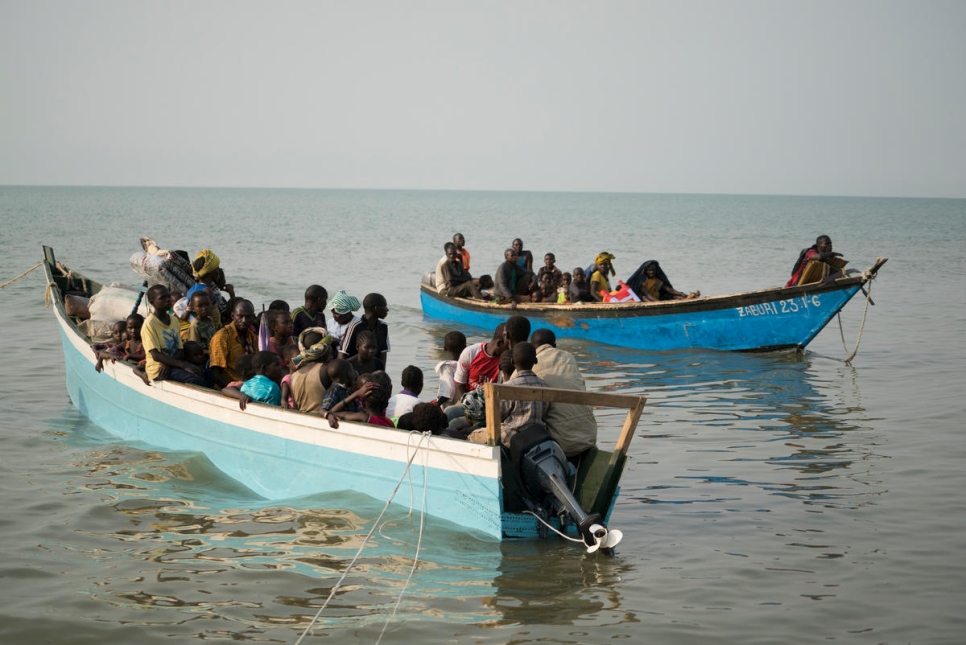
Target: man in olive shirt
{"type": "Point", "coordinates": [571, 425]}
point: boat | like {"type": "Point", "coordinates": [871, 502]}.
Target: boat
{"type": "Point", "coordinates": [285, 454]}
{"type": "Point", "coordinates": [756, 321]}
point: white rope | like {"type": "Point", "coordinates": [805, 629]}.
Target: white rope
{"type": "Point", "coordinates": [544, 522]}
{"type": "Point", "coordinates": [419, 542]}
{"type": "Point", "coordinates": [362, 547]}
{"type": "Point", "coordinates": [865, 312]}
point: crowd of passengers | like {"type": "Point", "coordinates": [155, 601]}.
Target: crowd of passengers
{"type": "Point", "coordinates": [516, 281]}
{"type": "Point", "coordinates": [335, 367]}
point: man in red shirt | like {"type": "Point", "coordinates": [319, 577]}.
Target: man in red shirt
{"type": "Point", "coordinates": [479, 363]}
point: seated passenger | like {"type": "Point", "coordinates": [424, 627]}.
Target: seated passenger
{"type": "Point", "coordinates": [375, 309]}
{"type": "Point", "coordinates": [312, 313]}
{"type": "Point", "coordinates": [264, 386]}
{"type": "Point", "coordinates": [514, 415]}
{"type": "Point", "coordinates": [448, 249]}
{"type": "Point", "coordinates": [549, 266]}
{"type": "Point", "coordinates": [280, 326]}
{"type": "Point", "coordinates": [817, 263]}
{"type": "Point", "coordinates": [208, 271]}
{"type": "Point", "coordinates": [524, 257]}
{"type": "Point", "coordinates": [310, 378]}
{"type": "Point", "coordinates": [374, 407]}
{"type": "Point", "coordinates": [133, 349]}
{"type": "Point", "coordinates": [342, 305]}
{"type": "Point", "coordinates": [427, 417]}
{"type": "Point", "coordinates": [464, 254]}
{"type": "Point", "coordinates": [453, 345]}
{"type": "Point", "coordinates": [457, 281]}
{"type": "Point", "coordinates": [546, 291]}
{"type": "Point", "coordinates": [511, 282]}
{"type": "Point", "coordinates": [112, 350]}
{"type": "Point", "coordinates": [479, 363]}
{"type": "Point", "coordinates": [365, 360]}
{"type": "Point", "coordinates": [651, 284]}
{"type": "Point", "coordinates": [161, 336]}
{"type": "Point", "coordinates": [340, 392]}
{"type": "Point", "coordinates": [599, 284]}
{"type": "Point", "coordinates": [201, 327]}
{"type": "Point", "coordinates": [289, 352]}
{"type": "Point", "coordinates": [231, 341]}
{"type": "Point", "coordinates": [580, 287]}
{"type": "Point", "coordinates": [563, 291]}
{"type": "Point", "coordinates": [412, 386]}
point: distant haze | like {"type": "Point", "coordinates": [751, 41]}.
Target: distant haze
{"type": "Point", "coordinates": [773, 97]}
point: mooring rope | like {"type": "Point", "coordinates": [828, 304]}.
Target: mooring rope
{"type": "Point", "coordinates": [865, 312]}
{"type": "Point", "coordinates": [419, 542]}
{"type": "Point", "coordinates": [33, 268]}
{"type": "Point", "coordinates": [365, 542]}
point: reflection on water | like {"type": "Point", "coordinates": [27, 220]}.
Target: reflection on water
{"type": "Point", "coordinates": [726, 421]}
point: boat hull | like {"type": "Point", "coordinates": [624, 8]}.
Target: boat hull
{"type": "Point", "coordinates": [766, 320]}
{"type": "Point", "coordinates": [281, 459]}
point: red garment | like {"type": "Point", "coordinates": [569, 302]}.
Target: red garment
{"type": "Point", "coordinates": [380, 421]}
{"type": "Point", "coordinates": [803, 261]}
{"type": "Point", "coordinates": [475, 366]}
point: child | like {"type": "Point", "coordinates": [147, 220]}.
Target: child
{"type": "Point", "coordinates": [312, 313]}
{"type": "Point", "coordinates": [264, 386]}
{"type": "Point", "coordinates": [453, 345]}
{"type": "Point", "coordinates": [202, 326]}
{"type": "Point", "coordinates": [375, 407]}
{"type": "Point", "coordinates": [375, 309]}
{"type": "Point", "coordinates": [563, 291]}
{"type": "Point", "coordinates": [243, 367]}
{"type": "Point", "coordinates": [486, 284]}
{"type": "Point", "coordinates": [546, 290]}
{"type": "Point", "coordinates": [549, 268]}
{"type": "Point", "coordinates": [112, 350]}
{"type": "Point", "coordinates": [428, 417]}
{"type": "Point", "coordinates": [161, 335]}
{"type": "Point", "coordinates": [580, 287]}
{"type": "Point", "coordinates": [281, 326]}
{"type": "Point", "coordinates": [133, 349]}
{"type": "Point", "coordinates": [196, 354]}
{"type": "Point", "coordinates": [412, 384]}
{"type": "Point", "coordinates": [343, 377]}
{"type": "Point", "coordinates": [289, 352]}
{"type": "Point", "coordinates": [365, 360]}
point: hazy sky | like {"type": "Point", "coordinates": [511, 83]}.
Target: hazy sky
{"type": "Point", "coordinates": [812, 97]}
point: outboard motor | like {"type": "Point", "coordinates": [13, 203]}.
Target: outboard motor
{"type": "Point", "coordinates": [548, 477]}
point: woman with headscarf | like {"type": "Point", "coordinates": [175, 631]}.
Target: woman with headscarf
{"type": "Point", "coordinates": [310, 378]}
{"type": "Point", "coordinates": [207, 270]}
{"type": "Point", "coordinates": [598, 276]}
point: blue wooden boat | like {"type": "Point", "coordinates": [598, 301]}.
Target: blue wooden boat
{"type": "Point", "coordinates": [285, 454]}
{"type": "Point", "coordinates": [764, 320]}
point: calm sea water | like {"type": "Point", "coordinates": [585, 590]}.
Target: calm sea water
{"type": "Point", "coordinates": [771, 498]}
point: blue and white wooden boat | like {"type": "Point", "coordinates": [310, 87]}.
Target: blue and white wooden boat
{"type": "Point", "coordinates": [764, 320]}
{"type": "Point", "coordinates": [284, 454]}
